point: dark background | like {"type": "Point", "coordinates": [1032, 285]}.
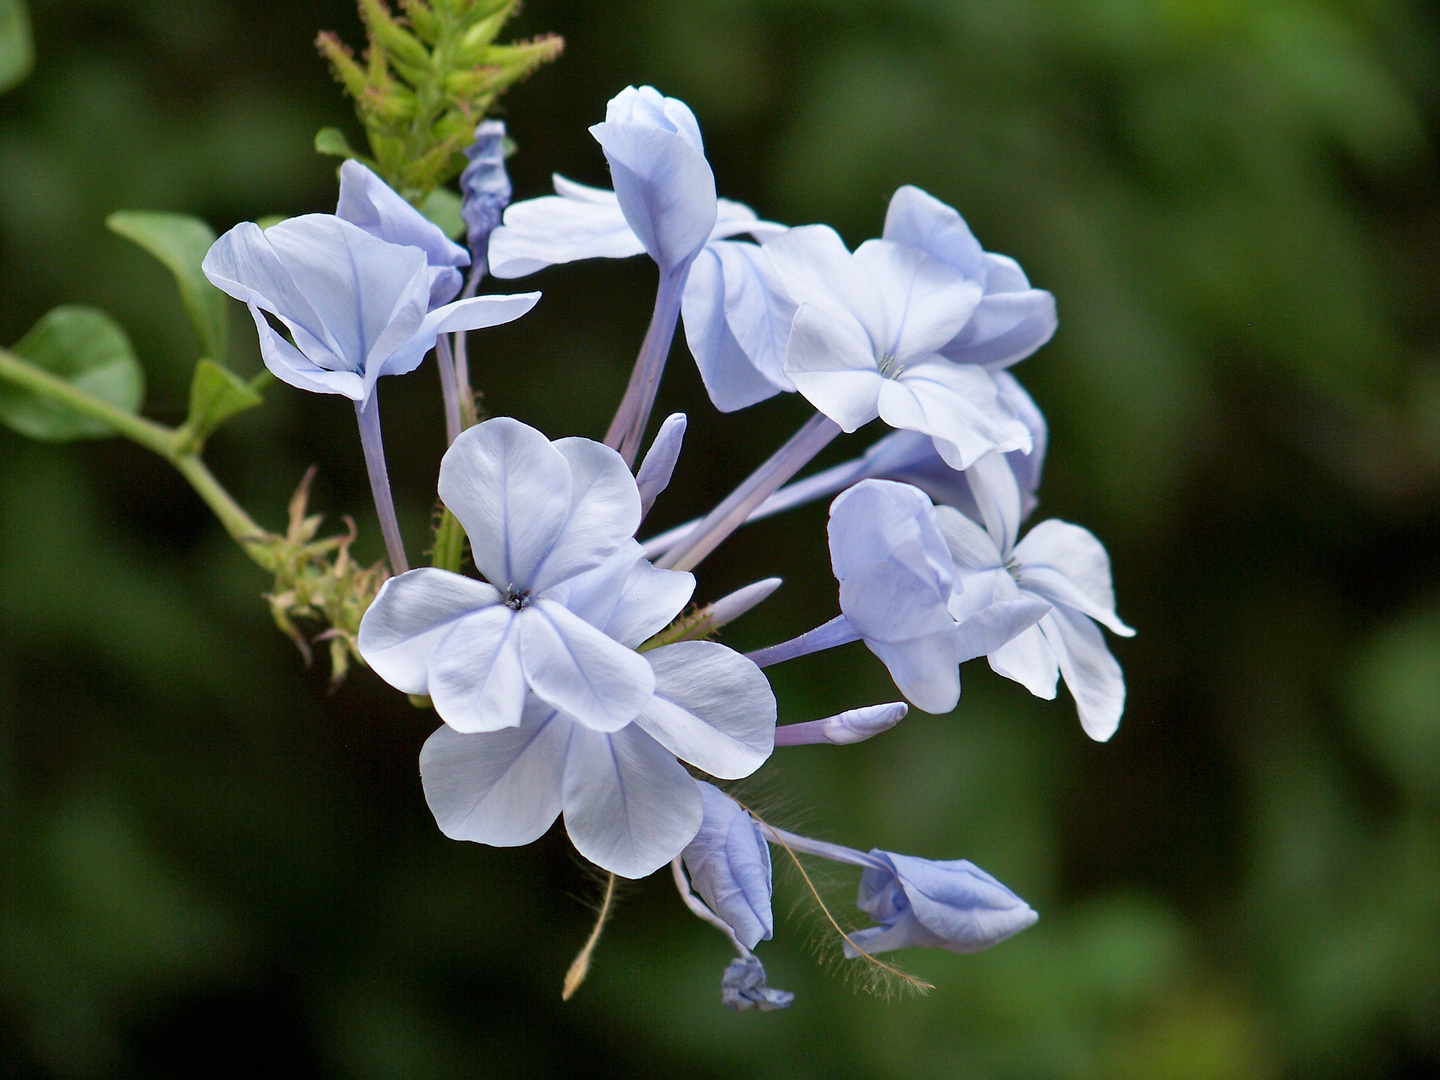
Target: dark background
{"type": "Point", "coordinates": [211, 867]}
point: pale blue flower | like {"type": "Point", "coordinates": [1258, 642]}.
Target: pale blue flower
{"type": "Point", "coordinates": [357, 307]}
{"type": "Point", "coordinates": [1059, 564]}
{"type": "Point", "coordinates": [737, 317]}
{"type": "Point", "coordinates": [629, 806]}
{"type": "Point", "coordinates": [484, 187]}
{"type": "Point", "coordinates": [370, 203]}
{"type": "Point", "coordinates": [947, 905]}
{"type": "Point", "coordinates": [538, 515]}
{"type": "Point", "coordinates": [1012, 319]}
{"type": "Point", "coordinates": [897, 587]}
{"type": "Point", "coordinates": [921, 902]}
{"type": "Point", "coordinates": [729, 865]}
{"type": "Point", "coordinates": [866, 341]}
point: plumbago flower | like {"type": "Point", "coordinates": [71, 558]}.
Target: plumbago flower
{"type": "Point", "coordinates": [898, 588]}
{"type": "Point", "coordinates": [1060, 564]}
{"type": "Point", "coordinates": [357, 306]}
{"type": "Point", "coordinates": [866, 341]}
{"type": "Point", "coordinates": [737, 317]}
{"type": "Point", "coordinates": [359, 300]}
{"type": "Point", "coordinates": [548, 707]}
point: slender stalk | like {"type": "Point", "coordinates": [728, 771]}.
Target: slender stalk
{"type": "Point", "coordinates": [464, 393]}
{"type": "Point", "coordinates": [837, 631]}
{"type": "Point", "coordinates": [800, 492]}
{"type": "Point", "coordinates": [449, 388]}
{"type": "Point", "coordinates": [368, 414]}
{"type": "Point", "coordinates": [156, 438]}
{"type": "Point", "coordinates": [628, 427]}
{"type": "Point", "coordinates": [797, 452]}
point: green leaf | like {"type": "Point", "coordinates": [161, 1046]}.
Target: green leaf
{"type": "Point", "coordinates": [87, 348]}
{"type": "Point", "coordinates": [216, 394]}
{"type": "Point", "coordinates": [180, 242]}
{"type": "Point", "coordinates": [332, 142]}
{"type": "Point", "coordinates": [442, 207]}
{"type": "Point", "coordinates": [17, 47]}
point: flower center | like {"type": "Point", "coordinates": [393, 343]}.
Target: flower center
{"type": "Point", "coordinates": [1013, 566]}
{"type": "Point", "coordinates": [517, 600]}
{"type": "Point", "coordinates": [889, 367]}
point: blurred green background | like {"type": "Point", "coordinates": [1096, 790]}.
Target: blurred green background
{"type": "Point", "coordinates": [211, 867]}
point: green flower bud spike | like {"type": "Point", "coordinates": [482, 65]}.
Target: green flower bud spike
{"type": "Point", "coordinates": [428, 77]}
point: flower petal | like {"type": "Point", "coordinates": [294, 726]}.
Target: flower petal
{"type": "Point", "coordinates": [729, 865]}
{"type": "Point", "coordinates": [511, 490]}
{"type": "Point", "coordinates": [474, 313]}
{"type": "Point", "coordinates": [992, 627]}
{"type": "Point", "coordinates": [918, 219]}
{"type": "Point", "coordinates": [665, 188]}
{"type": "Point", "coordinates": [559, 229]}
{"type": "Point", "coordinates": [1029, 660]}
{"type": "Point", "coordinates": [923, 302]}
{"type": "Point", "coordinates": [830, 361]}
{"type": "Point", "coordinates": [290, 365]}
{"type": "Point", "coordinates": [1010, 323]}
{"type": "Point", "coordinates": [625, 596]}
{"type": "Point", "coordinates": [816, 268]}
{"type": "Point", "coordinates": [1091, 673]}
{"type": "Point", "coordinates": [731, 379]}
{"type": "Point", "coordinates": [955, 403]}
{"type": "Point", "coordinates": [604, 512]}
{"type": "Point", "coordinates": [475, 678]}
{"type": "Point", "coordinates": [925, 669]}
{"type": "Point", "coordinates": [409, 616]}
{"type": "Point", "coordinates": [972, 548]}
{"type": "Point", "coordinates": [244, 265]}
{"type": "Point", "coordinates": [758, 310]}
{"type": "Point", "coordinates": [711, 707]}
{"type": "Point", "coordinates": [497, 787]}
{"type": "Point", "coordinates": [593, 679]}
{"type": "Point", "coordinates": [370, 295]}
{"type": "Point", "coordinates": [881, 520]}
{"type": "Point", "coordinates": [1068, 565]}
{"type": "Point", "coordinates": [630, 807]}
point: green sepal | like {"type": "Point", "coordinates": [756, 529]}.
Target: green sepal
{"type": "Point", "coordinates": [180, 242]}
{"type": "Point", "coordinates": [86, 348]}
{"type": "Point", "coordinates": [442, 208]}
{"type": "Point", "coordinates": [216, 394]}
{"type": "Point", "coordinates": [17, 46]}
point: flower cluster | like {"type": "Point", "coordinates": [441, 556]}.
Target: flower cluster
{"type": "Point", "coordinates": [568, 681]}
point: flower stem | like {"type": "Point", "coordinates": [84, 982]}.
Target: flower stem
{"type": "Point", "coordinates": [464, 394]}
{"type": "Point", "coordinates": [837, 631]}
{"type": "Point", "coordinates": [628, 427]}
{"type": "Point", "coordinates": [157, 438]}
{"type": "Point", "coordinates": [449, 388]}
{"type": "Point", "coordinates": [368, 414]}
{"type": "Point", "coordinates": [797, 452]}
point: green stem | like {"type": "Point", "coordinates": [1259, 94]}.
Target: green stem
{"type": "Point", "coordinates": [158, 438]}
